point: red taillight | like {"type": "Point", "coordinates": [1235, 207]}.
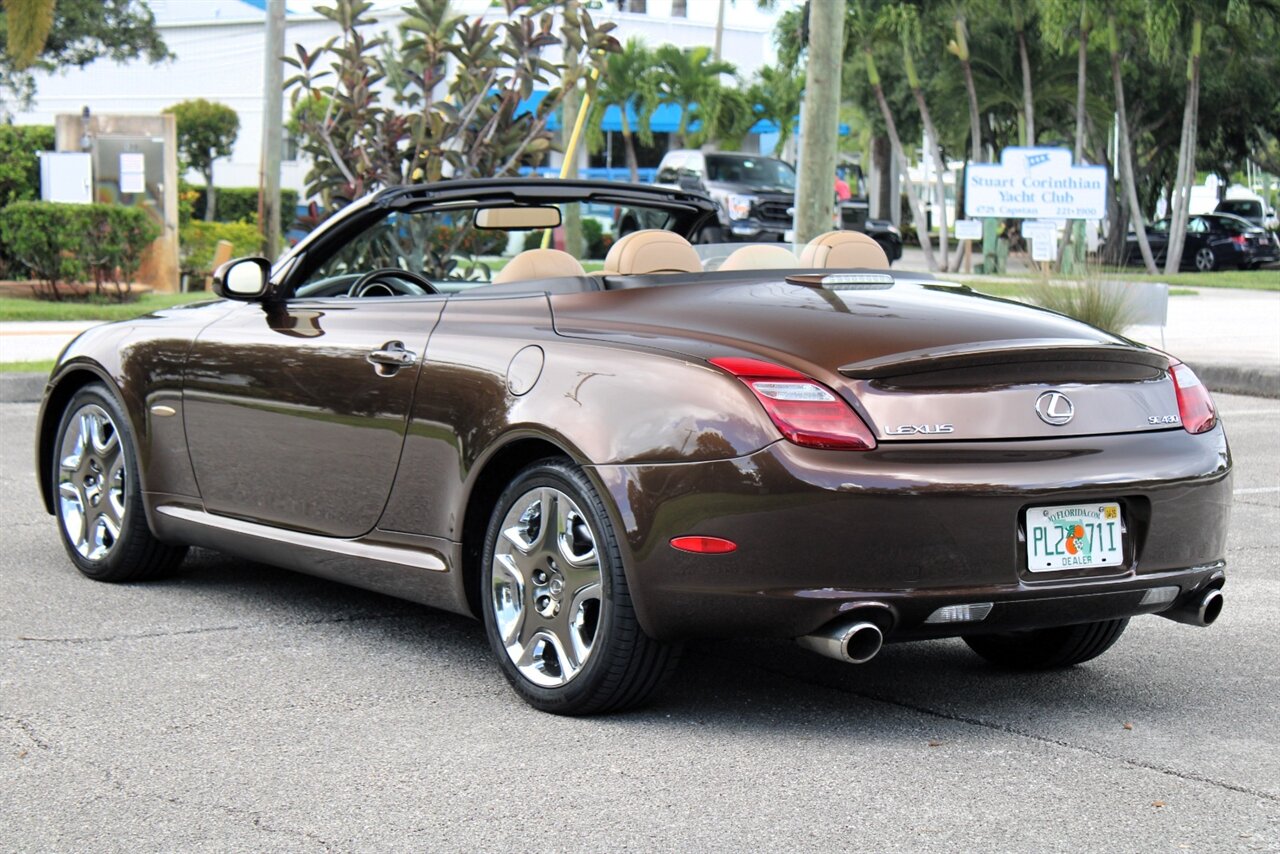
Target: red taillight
{"type": "Point", "coordinates": [805, 411]}
{"type": "Point", "coordinates": [1239, 240]}
{"type": "Point", "coordinates": [1195, 405]}
{"type": "Point", "coordinates": [704, 545]}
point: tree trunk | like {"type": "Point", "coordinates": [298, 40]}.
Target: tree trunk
{"type": "Point", "coordinates": [935, 154]}
{"type": "Point", "coordinates": [629, 146]}
{"type": "Point", "coordinates": [1127, 178]}
{"type": "Point", "coordinates": [975, 118]}
{"type": "Point", "coordinates": [881, 194]}
{"type": "Point", "coordinates": [210, 197]}
{"type": "Point", "coordinates": [1082, 61]}
{"type": "Point", "coordinates": [719, 31]}
{"type": "Point", "coordinates": [917, 210]}
{"type": "Point", "coordinates": [819, 122]}
{"type": "Point", "coordinates": [572, 217]}
{"type": "Point", "coordinates": [1028, 105]}
{"type": "Point", "coordinates": [1186, 173]}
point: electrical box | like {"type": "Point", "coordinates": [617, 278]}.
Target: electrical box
{"type": "Point", "coordinates": [66, 176]}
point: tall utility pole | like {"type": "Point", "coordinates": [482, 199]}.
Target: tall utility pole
{"type": "Point", "coordinates": [272, 128]}
{"type": "Point", "coordinates": [820, 120]}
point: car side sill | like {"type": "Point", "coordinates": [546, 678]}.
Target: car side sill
{"type": "Point", "coordinates": [418, 571]}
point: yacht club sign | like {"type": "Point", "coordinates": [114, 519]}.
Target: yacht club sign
{"type": "Point", "coordinates": [1035, 183]}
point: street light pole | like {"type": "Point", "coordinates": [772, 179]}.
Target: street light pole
{"type": "Point", "coordinates": [272, 127]}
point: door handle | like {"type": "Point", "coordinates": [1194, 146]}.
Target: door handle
{"type": "Point", "coordinates": [391, 357]}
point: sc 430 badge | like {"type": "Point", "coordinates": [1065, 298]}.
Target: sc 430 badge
{"type": "Point", "coordinates": [919, 429]}
{"type": "Point", "coordinates": [1162, 419]}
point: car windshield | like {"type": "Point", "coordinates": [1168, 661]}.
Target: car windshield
{"type": "Point", "coordinates": [447, 247]}
{"type": "Point", "coordinates": [753, 171]}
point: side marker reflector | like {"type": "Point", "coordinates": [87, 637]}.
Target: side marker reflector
{"type": "Point", "coordinates": [971, 613]}
{"type": "Point", "coordinates": [704, 545]}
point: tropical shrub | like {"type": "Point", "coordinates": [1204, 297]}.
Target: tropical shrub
{"type": "Point", "coordinates": [69, 244]}
{"type": "Point", "coordinates": [198, 241]}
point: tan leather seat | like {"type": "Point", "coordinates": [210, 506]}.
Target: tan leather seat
{"type": "Point", "coordinates": [844, 249]}
{"type": "Point", "coordinates": [761, 257]}
{"type": "Point", "coordinates": [651, 251]}
{"type": "Point", "coordinates": [539, 264]}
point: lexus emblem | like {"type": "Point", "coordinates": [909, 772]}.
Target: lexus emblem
{"type": "Point", "coordinates": [1055, 408]}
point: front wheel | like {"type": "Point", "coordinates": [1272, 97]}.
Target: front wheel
{"type": "Point", "coordinates": [1048, 649]}
{"type": "Point", "coordinates": [557, 610]}
{"type": "Point", "coordinates": [98, 500]}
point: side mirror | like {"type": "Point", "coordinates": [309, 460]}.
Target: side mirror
{"type": "Point", "coordinates": [242, 278]}
{"type": "Point", "coordinates": [689, 181]}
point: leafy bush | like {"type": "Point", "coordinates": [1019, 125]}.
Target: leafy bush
{"type": "Point", "coordinates": [240, 204]}
{"type": "Point", "coordinates": [19, 165]}
{"type": "Point", "coordinates": [198, 241]}
{"type": "Point", "coordinates": [63, 243]}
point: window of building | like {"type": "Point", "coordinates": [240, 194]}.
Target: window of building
{"type": "Point", "coordinates": [679, 8]}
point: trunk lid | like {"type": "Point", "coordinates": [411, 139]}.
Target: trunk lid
{"type": "Point", "coordinates": [920, 361]}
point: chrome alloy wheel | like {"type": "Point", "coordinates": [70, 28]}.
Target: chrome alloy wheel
{"type": "Point", "coordinates": [1205, 260]}
{"type": "Point", "coordinates": [546, 587]}
{"type": "Point", "coordinates": [91, 482]}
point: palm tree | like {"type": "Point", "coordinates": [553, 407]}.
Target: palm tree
{"type": "Point", "coordinates": [778, 93]}
{"type": "Point", "coordinates": [864, 36]}
{"type": "Point", "coordinates": [960, 48]}
{"type": "Point", "coordinates": [1127, 179]}
{"type": "Point", "coordinates": [903, 19]}
{"type": "Point", "coordinates": [629, 81]}
{"type": "Point", "coordinates": [689, 79]}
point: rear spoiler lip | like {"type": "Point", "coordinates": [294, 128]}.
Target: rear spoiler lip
{"type": "Point", "coordinates": [1002, 352]}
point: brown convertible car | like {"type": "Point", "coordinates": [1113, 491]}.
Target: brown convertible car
{"type": "Point", "coordinates": [685, 443]}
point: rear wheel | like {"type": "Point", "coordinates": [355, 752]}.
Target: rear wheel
{"type": "Point", "coordinates": [1047, 649]}
{"type": "Point", "coordinates": [557, 609]}
{"type": "Point", "coordinates": [1205, 259]}
{"type": "Point", "coordinates": [98, 500]}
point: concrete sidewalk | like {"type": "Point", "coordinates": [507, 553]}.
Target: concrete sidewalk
{"type": "Point", "coordinates": [1230, 337]}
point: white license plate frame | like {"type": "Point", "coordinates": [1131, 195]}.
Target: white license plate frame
{"type": "Point", "coordinates": [1068, 537]}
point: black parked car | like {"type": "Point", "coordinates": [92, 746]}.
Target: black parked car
{"type": "Point", "coordinates": [1213, 241]}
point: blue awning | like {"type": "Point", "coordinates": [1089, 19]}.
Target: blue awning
{"type": "Point", "coordinates": [664, 119]}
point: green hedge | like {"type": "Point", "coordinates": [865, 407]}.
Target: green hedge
{"type": "Point", "coordinates": [77, 243]}
{"type": "Point", "coordinates": [199, 240]}
{"type": "Point", "coordinates": [240, 204]}
{"type": "Point", "coordinates": [19, 165]}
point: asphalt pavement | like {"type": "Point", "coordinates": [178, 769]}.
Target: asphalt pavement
{"type": "Point", "coordinates": [240, 707]}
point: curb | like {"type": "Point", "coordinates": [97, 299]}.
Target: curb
{"type": "Point", "coordinates": [22, 388]}
{"type": "Point", "coordinates": [1224, 379]}
{"type": "Point", "coordinates": [1236, 379]}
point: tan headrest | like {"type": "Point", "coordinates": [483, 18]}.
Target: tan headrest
{"type": "Point", "coordinates": [539, 264]}
{"type": "Point", "coordinates": [761, 257]}
{"type": "Point", "coordinates": [651, 251]}
{"type": "Point", "coordinates": [844, 249]}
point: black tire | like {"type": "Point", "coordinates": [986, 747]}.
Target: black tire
{"type": "Point", "coordinates": [1205, 260]}
{"type": "Point", "coordinates": [134, 554]}
{"type": "Point", "coordinates": [1048, 649]}
{"type": "Point", "coordinates": [624, 666]}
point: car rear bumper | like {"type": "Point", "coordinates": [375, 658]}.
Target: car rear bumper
{"type": "Point", "coordinates": [912, 528]}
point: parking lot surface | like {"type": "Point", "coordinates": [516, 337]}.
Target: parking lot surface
{"type": "Point", "coordinates": [237, 706]}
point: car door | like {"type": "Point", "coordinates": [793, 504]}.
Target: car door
{"type": "Point", "coordinates": [296, 412]}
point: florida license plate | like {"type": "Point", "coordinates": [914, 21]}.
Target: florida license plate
{"type": "Point", "coordinates": [1074, 536]}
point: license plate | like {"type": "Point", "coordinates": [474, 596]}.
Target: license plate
{"type": "Point", "coordinates": [1074, 536]}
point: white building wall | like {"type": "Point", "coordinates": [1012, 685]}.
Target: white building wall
{"type": "Point", "coordinates": [218, 46]}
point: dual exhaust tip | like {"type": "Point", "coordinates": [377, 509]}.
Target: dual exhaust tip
{"type": "Point", "coordinates": [859, 642]}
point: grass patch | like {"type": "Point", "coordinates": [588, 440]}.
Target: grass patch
{"type": "Point", "coordinates": [43, 366]}
{"type": "Point", "coordinates": [17, 308]}
{"type": "Point", "coordinates": [1251, 280]}
{"type": "Point", "coordinates": [1099, 302]}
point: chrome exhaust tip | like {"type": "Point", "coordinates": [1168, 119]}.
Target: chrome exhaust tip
{"type": "Point", "coordinates": [1198, 612]}
{"type": "Point", "coordinates": [854, 643]}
